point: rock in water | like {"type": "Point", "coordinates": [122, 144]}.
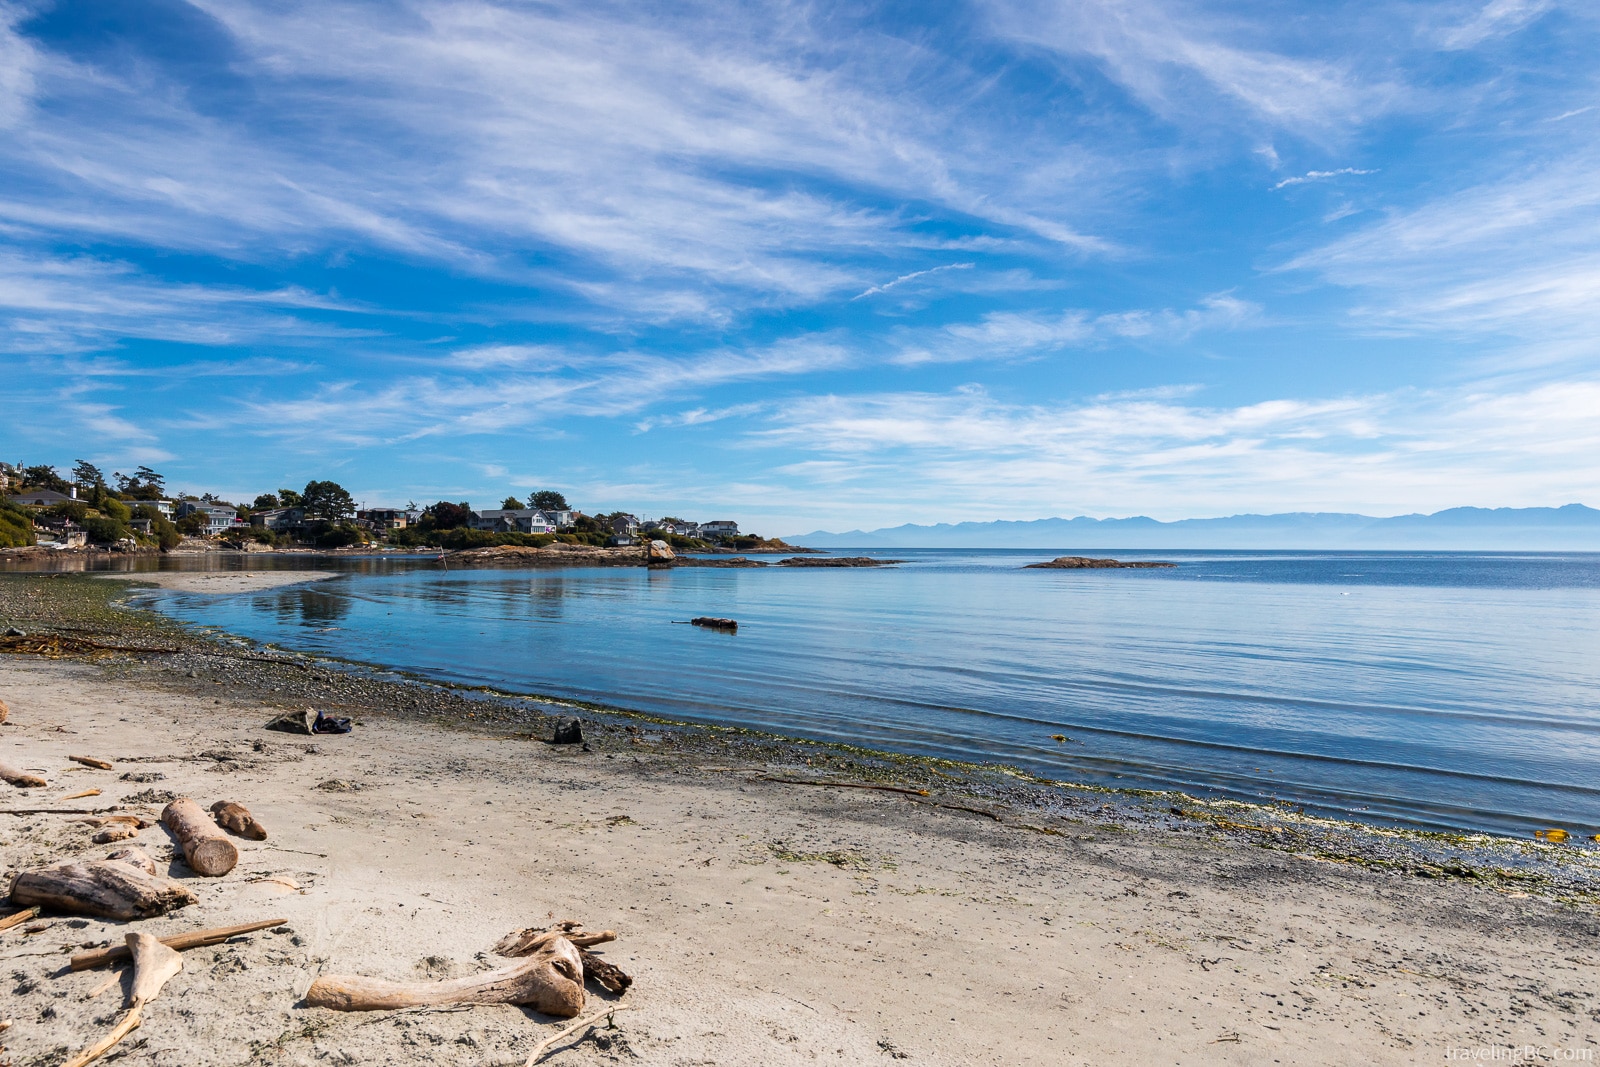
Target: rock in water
{"type": "Point", "coordinates": [568, 732]}
{"type": "Point", "coordinates": [1079, 563]}
{"type": "Point", "coordinates": [660, 552]}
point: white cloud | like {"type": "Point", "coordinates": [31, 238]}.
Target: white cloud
{"type": "Point", "coordinates": [914, 275]}
{"type": "Point", "coordinates": [1158, 455]}
{"type": "Point", "coordinates": [1320, 175]}
{"type": "Point", "coordinates": [1495, 19]}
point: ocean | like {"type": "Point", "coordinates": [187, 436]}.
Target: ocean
{"type": "Point", "coordinates": [1455, 691]}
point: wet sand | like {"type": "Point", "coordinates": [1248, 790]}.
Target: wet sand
{"type": "Point", "coordinates": [220, 581]}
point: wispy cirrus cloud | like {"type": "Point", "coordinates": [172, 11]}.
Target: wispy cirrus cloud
{"type": "Point", "coordinates": [1320, 176]}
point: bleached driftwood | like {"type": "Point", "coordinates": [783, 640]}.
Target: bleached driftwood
{"type": "Point", "coordinates": [154, 964]}
{"type": "Point", "coordinates": [610, 977]}
{"type": "Point", "coordinates": [90, 761]}
{"type": "Point", "coordinates": [124, 885]}
{"type": "Point", "coordinates": [206, 848]}
{"type": "Point", "coordinates": [19, 777]}
{"type": "Point", "coordinates": [237, 819]}
{"type": "Point", "coordinates": [117, 831]}
{"type": "Point", "coordinates": [549, 980]}
{"type": "Point", "coordinates": [84, 961]}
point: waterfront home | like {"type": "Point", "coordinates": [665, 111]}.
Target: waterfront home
{"type": "Point", "coordinates": [563, 518]}
{"type": "Point", "coordinates": [385, 518]}
{"type": "Point", "coordinates": [717, 529]}
{"type": "Point", "coordinates": [43, 498]}
{"type": "Point", "coordinates": [512, 520]}
{"type": "Point", "coordinates": [280, 520]}
{"type": "Point", "coordinates": [219, 518]}
{"type": "Point", "coordinates": [624, 525]}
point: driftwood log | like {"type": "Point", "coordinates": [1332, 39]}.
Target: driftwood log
{"type": "Point", "coordinates": [85, 961]}
{"type": "Point", "coordinates": [550, 980]}
{"type": "Point", "coordinates": [5, 712]}
{"type": "Point", "coordinates": [609, 976]}
{"type": "Point", "coordinates": [20, 778]}
{"type": "Point", "coordinates": [237, 819]}
{"type": "Point", "coordinates": [206, 848]}
{"type": "Point", "coordinates": [154, 964]}
{"type": "Point", "coordinates": [124, 885]}
{"type": "Point", "coordinates": [90, 761]}
{"type": "Point", "coordinates": [19, 918]}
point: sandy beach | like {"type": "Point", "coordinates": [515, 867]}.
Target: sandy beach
{"type": "Point", "coordinates": [220, 582]}
{"type": "Point", "coordinates": [764, 922]}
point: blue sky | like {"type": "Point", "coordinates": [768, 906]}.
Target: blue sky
{"type": "Point", "coordinates": [811, 265]}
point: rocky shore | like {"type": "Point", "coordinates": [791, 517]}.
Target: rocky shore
{"type": "Point", "coordinates": [781, 900]}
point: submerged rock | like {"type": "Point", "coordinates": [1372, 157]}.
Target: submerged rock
{"type": "Point", "coordinates": [836, 561]}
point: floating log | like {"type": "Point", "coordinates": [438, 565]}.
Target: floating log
{"type": "Point", "coordinates": [550, 980]}
{"type": "Point", "coordinates": [99, 957]}
{"type": "Point", "coordinates": [20, 778]}
{"type": "Point", "coordinates": [206, 848]}
{"type": "Point", "coordinates": [237, 819]}
{"type": "Point", "coordinates": [90, 761]}
{"type": "Point", "coordinates": [125, 885]}
{"type": "Point", "coordinates": [731, 625]}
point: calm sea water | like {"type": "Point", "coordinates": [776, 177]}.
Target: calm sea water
{"type": "Point", "coordinates": [1447, 690]}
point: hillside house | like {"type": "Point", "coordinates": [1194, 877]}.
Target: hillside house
{"type": "Point", "coordinates": [513, 520]}
{"type": "Point", "coordinates": [718, 529]}
{"type": "Point", "coordinates": [219, 518]}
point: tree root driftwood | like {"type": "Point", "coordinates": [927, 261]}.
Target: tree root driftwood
{"type": "Point", "coordinates": [607, 975]}
{"type": "Point", "coordinates": [550, 979]}
{"type": "Point", "coordinates": [19, 777]}
{"type": "Point", "coordinates": [124, 885]}
{"type": "Point", "coordinates": [154, 964]}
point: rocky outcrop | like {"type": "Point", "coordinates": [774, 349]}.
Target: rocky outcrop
{"type": "Point", "coordinates": [660, 552]}
{"type": "Point", "coordinates": [732, 561]}
{"type": "Point", "coordinates": [1085, 563]}
{"type": "Point", "coordinates": [836, 561]}
{"type": "Point", "coordinates": [556, 555]}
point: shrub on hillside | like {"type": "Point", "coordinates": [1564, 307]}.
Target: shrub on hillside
{"type": "Point", "coordinates": [104, 531]}
{"type": "Point", "coordinates": [16, 528]}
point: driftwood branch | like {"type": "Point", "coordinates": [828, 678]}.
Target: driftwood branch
{"type": "Point", "coordinates": [124, 885]}
{"type": "Point", "coordinates": [90, 761]}
{"type": "Point", "coordinates": [80, 794]}
{"type": "Point", "coordinates": [99, 957]}
{"type": "Point", "coordinates": [555, 1039]}
{"type": "Point", "coordinates": [154, 964]}
{"type": "Point", "coordinates": [20, 778]}
{"type": "Point", "coordinates": [237, 819]}
{"type": "Point", "coordinates": [550, 980]}
{"type": "Point", "coordinates": [19, 918]}
{"type": "Point", "coordinates": [206, 848]}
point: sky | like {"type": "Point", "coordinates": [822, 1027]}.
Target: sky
{"type": "Point", "coordinates": [810, 265]}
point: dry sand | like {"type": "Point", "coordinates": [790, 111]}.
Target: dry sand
{"type": "Point", "coordinates": [764, 923]}
{"type": "Point", "coordinates": [220, 581]}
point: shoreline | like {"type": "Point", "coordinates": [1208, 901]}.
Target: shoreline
{"type": "Point", "coordinates": [996, 919]}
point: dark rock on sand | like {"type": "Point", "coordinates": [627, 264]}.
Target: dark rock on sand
{"type": "Point", "coordinates": [1079, 563]}
{"type": "Point", "coordinates": [836, 561]}
{"type": "Point", "coordinates": [568, 732]}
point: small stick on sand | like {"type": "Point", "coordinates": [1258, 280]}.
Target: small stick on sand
{"type": "Point", "coordinates": [206, 848]}
{"type": "Point", "coordinates": [539, 1050]}
{"type": "Point", "coordinates": [84, 961]}
{"type": "Point", "coordinates": [20, 778]}
{"type": "Point", "coordinates": [153, 965]}
{"type": "Point", "coordinates": [19, 918]}
{"type": "Point", "coordinates": [80, 794]}
{"type": "Point", "coordinates": [90, 761]}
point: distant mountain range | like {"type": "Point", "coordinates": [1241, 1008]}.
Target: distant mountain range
{"type": "Point", "coordinates": [1571, 528]}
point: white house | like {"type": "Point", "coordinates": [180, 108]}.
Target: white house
{"type": "Point", "coordinates": [513, 520]}
{"type": "Point", "coordinates": [219, 519]}
{"type": "Point", "coordinates": [719, 528]}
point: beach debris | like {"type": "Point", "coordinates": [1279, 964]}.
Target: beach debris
{"type": "Point", "coordinates": [99, 957]}
{"type": "Point", "coordinates": [237, 819]}
{"type": "Point", "coordinates": [555, 1039]}
{"type": "Point", "coordinates": [1059, 739]}
{"type": "Point", "coordinates": [206, 848]}
{"type": "Point", "coordinates": [5, 712]}
{"type": "Point", "coordinates": [1555, 834]}
{"type": "Point", "coordinates": [296, 722]}
{"type": "Point", "coordinates": [569, 731]}
{"type": "Point", "coordinates": [12, 631]}
{"type": "Point", "coordinates": [80, 794]}
{"type": "Point", "coordinates": [711, 623]}
{"type": "Point", "coordinates": [608, 976]}
{"type": "Point", "coordinates": [18, 918]}
{"type": "Point", "coordinates": [550, 980]}
{"type": "Point", "coordinates": [124, 885]}
{"type": "Point", "coordinates": [91, 761]}
{"type": "Point", "coordinates": [116, 827]}
{"type": "Point", "coordinates": [154, 964]}
{"type": "Point", "coordinates": [19, 777]}
{"type": "Point", "coordinates": [327, 724]}
{"type": "Point", "coordinates": [849, 785]}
